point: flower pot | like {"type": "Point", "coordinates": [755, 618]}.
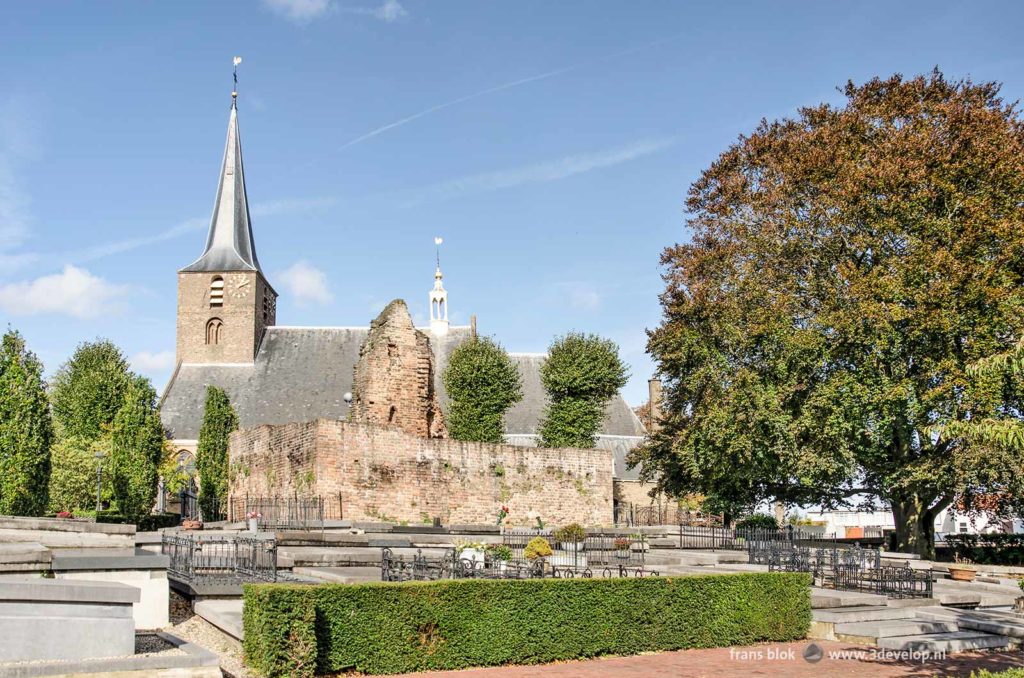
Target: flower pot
{"type": "Point", "coordinates": [253, 524]}
{"type": "Point", "coordinates": [572, 546]}
{"type": "Point", "coordinates": [962, 573]}
{"type": "Point", "coordinates": [622, 554]}
{"type": "Point", "coordinates": [472, 555]}
{"type": "Point", "coordinates": [1018, 604]}
{"type": "Point", "coordinates": [191, 525]}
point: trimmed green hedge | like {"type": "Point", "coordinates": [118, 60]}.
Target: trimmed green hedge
{"type": "Point", "coordinates": [395, 628]}
{"type": "Point", "coordinates": [149, 523]}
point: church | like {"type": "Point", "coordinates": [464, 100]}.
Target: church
{"type": "Point", "coordinates": [228, 336]}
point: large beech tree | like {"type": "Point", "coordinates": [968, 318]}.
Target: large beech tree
{"type": "Point", "coordinates": [848, 270]}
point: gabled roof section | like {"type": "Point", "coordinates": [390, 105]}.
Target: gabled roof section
{"type": "Point", "coordinates": [230, 245]}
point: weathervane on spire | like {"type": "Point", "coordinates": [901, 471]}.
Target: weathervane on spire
{"type": "Point", "coordinates": [437, 247]}
{"type": "Point", "coordinates": [234, 90]}
{"type": "Point", "coordinates": [438, 298]}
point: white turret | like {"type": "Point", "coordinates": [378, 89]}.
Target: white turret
{"type": "Point", "coordinates": [438, 300]}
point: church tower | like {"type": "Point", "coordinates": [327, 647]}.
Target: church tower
{"type": "Point", "coordinates": [224, 302]}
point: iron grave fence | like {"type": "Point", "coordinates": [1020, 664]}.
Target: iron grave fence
{"type": "Point", "coordinates": [596, 549]}
{"type": "Point", "coordinates": [280, 513]}
{"type": "Point", "coordinates": [221, 558]}
{"type": "Point", "coordinates": [846, 568]}
{"type": "Point", "coordinates": [741, 538]}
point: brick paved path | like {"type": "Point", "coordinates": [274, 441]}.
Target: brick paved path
{"type": "Point", "coordinates": [781, 660]}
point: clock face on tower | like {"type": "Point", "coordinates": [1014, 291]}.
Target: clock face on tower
{"type": "Point", "coordinates": [239, 286]}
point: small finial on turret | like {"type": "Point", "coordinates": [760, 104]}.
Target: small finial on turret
{"type": "Point", "coordinates": [234, 90]}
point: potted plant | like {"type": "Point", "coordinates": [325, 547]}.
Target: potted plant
{"type": "Point", "coordinates": [498, 555]}
{"type": "Point", "coordinates": [502, 514]}
{"type": "Point", "coordinates": [538, 547]}
{"type": "Point", "coordinates": [623, 547]}
{"type": "Point", "coordinates": [570, 537]}
{"type": "Point", "coordinates": [962, 570]}
{"type": "Point", "coordinates": [253, 518]}
{"type": "Point", "coordinates": [473, 551]}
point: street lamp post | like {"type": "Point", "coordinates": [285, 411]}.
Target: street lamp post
{"type": "Point", "coordinates": [99, 480]}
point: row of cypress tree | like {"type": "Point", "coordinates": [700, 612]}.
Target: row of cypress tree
{"type": "Point", "coordinates": [580, 374]}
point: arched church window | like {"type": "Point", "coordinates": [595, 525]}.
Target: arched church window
{"type": "Point", "coordinates": [213, 330]}
{"type": "Point", "coordinates": [216, 291]}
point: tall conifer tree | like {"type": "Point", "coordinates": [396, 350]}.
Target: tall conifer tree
{"type": "Point", "coordinates": [26, 431]}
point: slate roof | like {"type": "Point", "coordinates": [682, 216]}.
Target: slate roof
{"type": "Point", "coordinates": [229, 245]}
{"type": "Point", "coordinates": [301, 374]}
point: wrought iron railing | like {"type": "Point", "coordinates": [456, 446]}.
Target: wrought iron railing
{"type": "Point", "coordinates": [419, 567]}
{"type": "Point", "coordinates": [740, 538]}
{"type": "Point", "coordinates": [280, 513]}
{"type": "Point", "coordinates": [595, 549]}
{"type": "Point", "coordinates": [220, 558]}
{"type": "Point", "coordinates": [849, 568]}
{"type": "Point", "coordinates": [635, 515]}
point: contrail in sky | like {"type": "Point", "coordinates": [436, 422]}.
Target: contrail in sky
{"type": "Point", "coordinates": [498, 88]}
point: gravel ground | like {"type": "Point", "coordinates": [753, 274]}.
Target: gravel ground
{"type": "Point", "coordinates": [199, 631]}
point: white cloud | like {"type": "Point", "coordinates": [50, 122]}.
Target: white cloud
{"type": "Point", "coordinates": [74, 292]}
{"type": "Point", "coordinates": [306, 283]}
{"type": "Point", "coordinates": [145, 361]}
{"type": "Point", "coordinates": [581, 295]}
{"type": "Point", "coordinates": [390, 11]}
{"type": "Point", "coordinates": [300, 11]}
{"type": "Point", "coordinates": [542, 172]}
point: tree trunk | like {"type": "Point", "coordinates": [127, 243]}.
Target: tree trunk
{"type": "Point", "coordinates": [915, 526]}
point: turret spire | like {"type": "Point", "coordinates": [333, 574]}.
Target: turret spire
{"type": "Point", "coordinates": [230, 245]}
{"type": "Point", "coordinates": [438, 298]}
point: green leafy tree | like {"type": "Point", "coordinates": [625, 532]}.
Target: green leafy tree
{"type": "Point", "coordinates": [137, 443]}
{"type": "Point", "coordinates": [219, 420]}
{"type": "Point", "coordinates": [846, 269]}
{"type": "Point", "coordinates": [89, 389]}
{"type": "Point", "coordinates": [73, 474]}
{"type": "Point", "coordinates": [482, 383]}
{"type": "Point", "coordinates": [26, 432]}
{"type": "Point", "coordinates": [580, 375]}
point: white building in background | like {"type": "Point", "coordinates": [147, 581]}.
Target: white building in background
{"type": "Point", "coordinates": [853, 524]}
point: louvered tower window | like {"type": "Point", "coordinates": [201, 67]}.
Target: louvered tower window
{"type": "Point", "coordinates": [217, 291]}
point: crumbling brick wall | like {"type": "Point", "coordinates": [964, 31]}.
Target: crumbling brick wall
{"type": "Point", "coordinates": [380, 473]}
{"type": "Point", "coordinates": [393, 383]}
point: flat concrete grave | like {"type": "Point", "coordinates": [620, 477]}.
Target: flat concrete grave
{"type": "Point", "coordinates": [136, 567]}
{"type": "Point", "coordinates": [56, 533]}
{"type": "Point", "coordinates": [188, 661]}
{"type": "Point", "coordinates": [53, 619]}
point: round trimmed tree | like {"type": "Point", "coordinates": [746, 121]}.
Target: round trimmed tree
{"type": "Point", "coordinates": [580, 375]}
{"type": "Point", "coordinates": [482, 383]}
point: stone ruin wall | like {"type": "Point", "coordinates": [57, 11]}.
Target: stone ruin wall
{"type": "Point", "coordinates": [393, 381]}
{"type": "Point", "coordinates": [383, 473]}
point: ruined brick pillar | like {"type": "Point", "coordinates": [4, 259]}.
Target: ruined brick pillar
{"type": "Point", "coordinates": [393, 383]}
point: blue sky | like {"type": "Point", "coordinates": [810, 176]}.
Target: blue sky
{"type": "Point", "coordinates": [550, 144]}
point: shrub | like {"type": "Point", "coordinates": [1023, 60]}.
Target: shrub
{"type": "Point", "coordinates": [148, 523]}
{"type": "Point", "coordinates": [73, 474]}
{"type": "Point", "coordinates": [280, 625]}
{"type": "Point", "coordinates": [987, 549]}
{"type": "Point", "coordinates": [573, 532]}
{"type": "Point", "coordinates": [482, 383]}
{"type": "Point", "coordinates": [452, 624]}
{"type": "Point", "coordinates": [499, 552]}
{"type": "Point", "coordinates": [757, 521]}
{"type": "Point", "coordinates": [538, 547]}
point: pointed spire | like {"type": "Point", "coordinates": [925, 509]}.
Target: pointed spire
{"type": "Point", "coordinates": [230, 245]}
{"type": "Point", "coordinates": [438, 298]}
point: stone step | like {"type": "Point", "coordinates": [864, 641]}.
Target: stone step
{"type": "Point", "coordinates": [871, 631]}
{"type": "Point", "coordinates": [313, 556]}
{"type": "Point", "coordinates": [957, 641]}
{"type": "Point", "coordinates": [831, 599]}
{"type": "Point", "coordinates": [867, 613]}
{"type": "Point", "coordinates": [997, 622]}
{"type": "Point", "coordinates": [341, 575]}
